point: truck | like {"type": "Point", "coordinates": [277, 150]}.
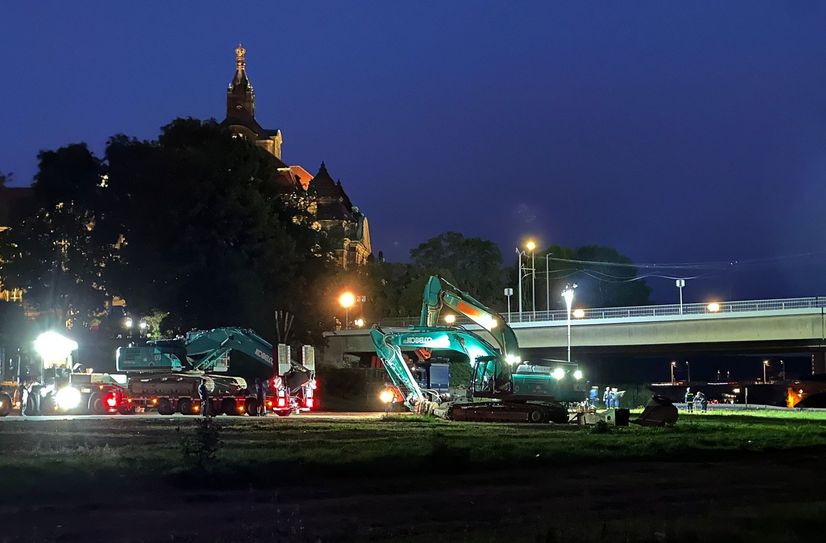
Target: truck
{"type": "Point", "coordinates": [165, 374]}
{"type": "Point", "coordinates": [59, 386]}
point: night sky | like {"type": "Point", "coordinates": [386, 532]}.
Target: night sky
{"type": "Point", "coordinates": [673, 131]}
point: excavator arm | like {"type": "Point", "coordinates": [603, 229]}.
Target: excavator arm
{"type": "Point", "coordinates": [488, 374]}
{"type": "Point", "coordinates": [439, 293]}
{"type": "Point", "coordinates": [206, 347]}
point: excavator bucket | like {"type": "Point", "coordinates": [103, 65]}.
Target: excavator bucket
{"type": "Point", "coordinates": [659, 412]}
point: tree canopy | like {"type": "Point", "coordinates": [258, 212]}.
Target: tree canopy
{"type": "Point", "coordinates": [194, 224]}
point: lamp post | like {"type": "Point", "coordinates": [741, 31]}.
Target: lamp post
{"type": "Point", "coordinates": [680, 285]}
{"type": "Point", "coordinates": [519, 279]}
{"type": "Point", "coordinates": [568, 294]}
{"type": "Point", "coordinates": [508, 294]}
{"type": "Point", "coordinates": [547, 285]}
{"type": "Point", "coordinates": [765, 365]}
{"type": "Point", "coordinates": [531, 246]}
{"type": "Point", "coordinates": [347, 300]}
{"type": "Point", "coordinates": [688, 371]}
{"type": "Point", "coordinates": [673, 367]}
{"type": "Point", "coordinates": [782, 370]}
{"type": "Point", "coordinates": [519, 253]}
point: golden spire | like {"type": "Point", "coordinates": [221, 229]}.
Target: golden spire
{"type": "Point", "coordinates": [240, 56]}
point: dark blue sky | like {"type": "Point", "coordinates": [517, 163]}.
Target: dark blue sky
{"type": "Point", "coordinates": [674, 131]}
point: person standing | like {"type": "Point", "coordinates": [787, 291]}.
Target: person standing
{"type": "Point", "coordinates": [606, 397]}
{"type": "Point", "coordinates": [689, 399]}
{"type": "Point", "coordinates": [203, 394]}
{"type": "Point", "coordinates": [593, 395]}
{"type": "Point", "coordinates": [23, 395]}
{"type": "Point", "coordinates": [261, 395]}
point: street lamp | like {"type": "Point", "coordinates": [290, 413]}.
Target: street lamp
{"type": "Point", "coordinates": [680, 285]}
{"type": "Point", "coordinates": [673, 367]}
{"type": "Point", "coordinates": [547, 285]}
{"type": "Point", "coordinates": [508, 294]}
{"type": "Point", "coordinates": [359, 322]}
{"type": "Point", "coordinates": [765, 365]}
{"type": "Point", "coordinates": [568, 294]}
{"type": "Point", "coordinates": [347, 300]}
{"type": "Point", "coordinates": [531, 246]}
{"type": "Point", "coordinates": [519, 254]}
{"type": "Point", "coordinates": [783, 370]}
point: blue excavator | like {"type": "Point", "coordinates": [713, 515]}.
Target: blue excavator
{"type": "Point", "coordinates": [164, 374]}
{"type": "Point", "coordinates": [502, 387]}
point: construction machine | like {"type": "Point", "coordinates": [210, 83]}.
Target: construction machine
{"type": "Point", "coordinates": [165, 374]}
{"type": "Point", "coordinates": [502, 387]}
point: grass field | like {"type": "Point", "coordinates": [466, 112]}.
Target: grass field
{"type": "Point", "coordinates": [705, 465]}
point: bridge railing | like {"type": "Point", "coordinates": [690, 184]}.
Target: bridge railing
{"type": "Point", "coordinates": [669, 310]}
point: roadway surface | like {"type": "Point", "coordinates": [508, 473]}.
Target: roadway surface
{"type": "Point", "coordinates": [320, 415]}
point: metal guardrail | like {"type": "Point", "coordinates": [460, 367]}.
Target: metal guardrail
{"type": "Point", "coordinates": [670, 310]}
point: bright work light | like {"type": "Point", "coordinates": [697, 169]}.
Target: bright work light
{"type": "Point", "coordinates": [68, 398]}
{"type": "Point", "coordinates": [53, 347]}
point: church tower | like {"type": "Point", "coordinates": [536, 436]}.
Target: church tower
{"type": "Point", "coordinates": [241, 110]}
{"type": "Point", "coordinates": [240, 94]}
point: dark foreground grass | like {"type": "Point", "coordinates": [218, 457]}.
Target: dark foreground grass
{"type": "Point", "coordinates": [153, 447]}
{"type": "Point", "coordinates": [709, 478]}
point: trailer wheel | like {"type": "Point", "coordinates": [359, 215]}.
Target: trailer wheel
{"type": "Point", "coordinates": [252, 407]}
{"type": "Point", "coordinates": [5, 405]}
{"type": "Point", "coordinates": [536, 415]}
{"type": "Point", "coordinates": [126, 409]}
{"type": "Point", "coordinates": [96, 406]}
{"type": "Point", "coordinates": [165, 407]}
{"type": "Point", "coordinates": [185, 407]}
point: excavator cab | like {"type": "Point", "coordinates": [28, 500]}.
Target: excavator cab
{"type": "Point", "coordinates": [491, 377]}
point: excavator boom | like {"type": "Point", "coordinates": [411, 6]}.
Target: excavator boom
{"type": "Point", "coordinates": [439, 293]}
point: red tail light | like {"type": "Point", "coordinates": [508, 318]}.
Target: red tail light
{"type": "Point", "coordinates": [111, 401]}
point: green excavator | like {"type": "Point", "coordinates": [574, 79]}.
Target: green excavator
{"type": "Point", "coordinates": [502, 387]}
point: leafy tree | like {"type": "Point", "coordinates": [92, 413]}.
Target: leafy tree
{"type": "Point", "coordinates": [57, 254]}
{"type": "Point", "coordinates": [599, 283]}
{"type": "Point", "coordinates": [194, 224]}
{"type": "Point", "coordinates": [472, 264]}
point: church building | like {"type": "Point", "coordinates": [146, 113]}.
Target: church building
{"type": "Point", "coordinates": [334, 212]}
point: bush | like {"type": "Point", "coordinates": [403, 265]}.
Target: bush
{"type": "Point", "coordinates": [200, 449]}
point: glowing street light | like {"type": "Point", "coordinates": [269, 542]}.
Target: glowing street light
{"type": "Point", "coordinates": [450, 318]}
{"type": "Point", "coordinates": [347, 300]}
{"type": "Point", "coordinates": [765, 365]}
{"type": "Point", "coordinates": [579, 313]}
{"type": "Point", "coordinates": [713, 307]}
{"type": "Point", "coordinates": [568, 294]}
{"type": "Point", "coordinates": [673, 367]}
{"type": "Point", "coordinates": [359, 322]}
{"type": "Point", "coordinates": [128, 322]}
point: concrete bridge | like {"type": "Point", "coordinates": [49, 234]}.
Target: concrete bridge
{"type": "Point", "coordinates": [779, 325]}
